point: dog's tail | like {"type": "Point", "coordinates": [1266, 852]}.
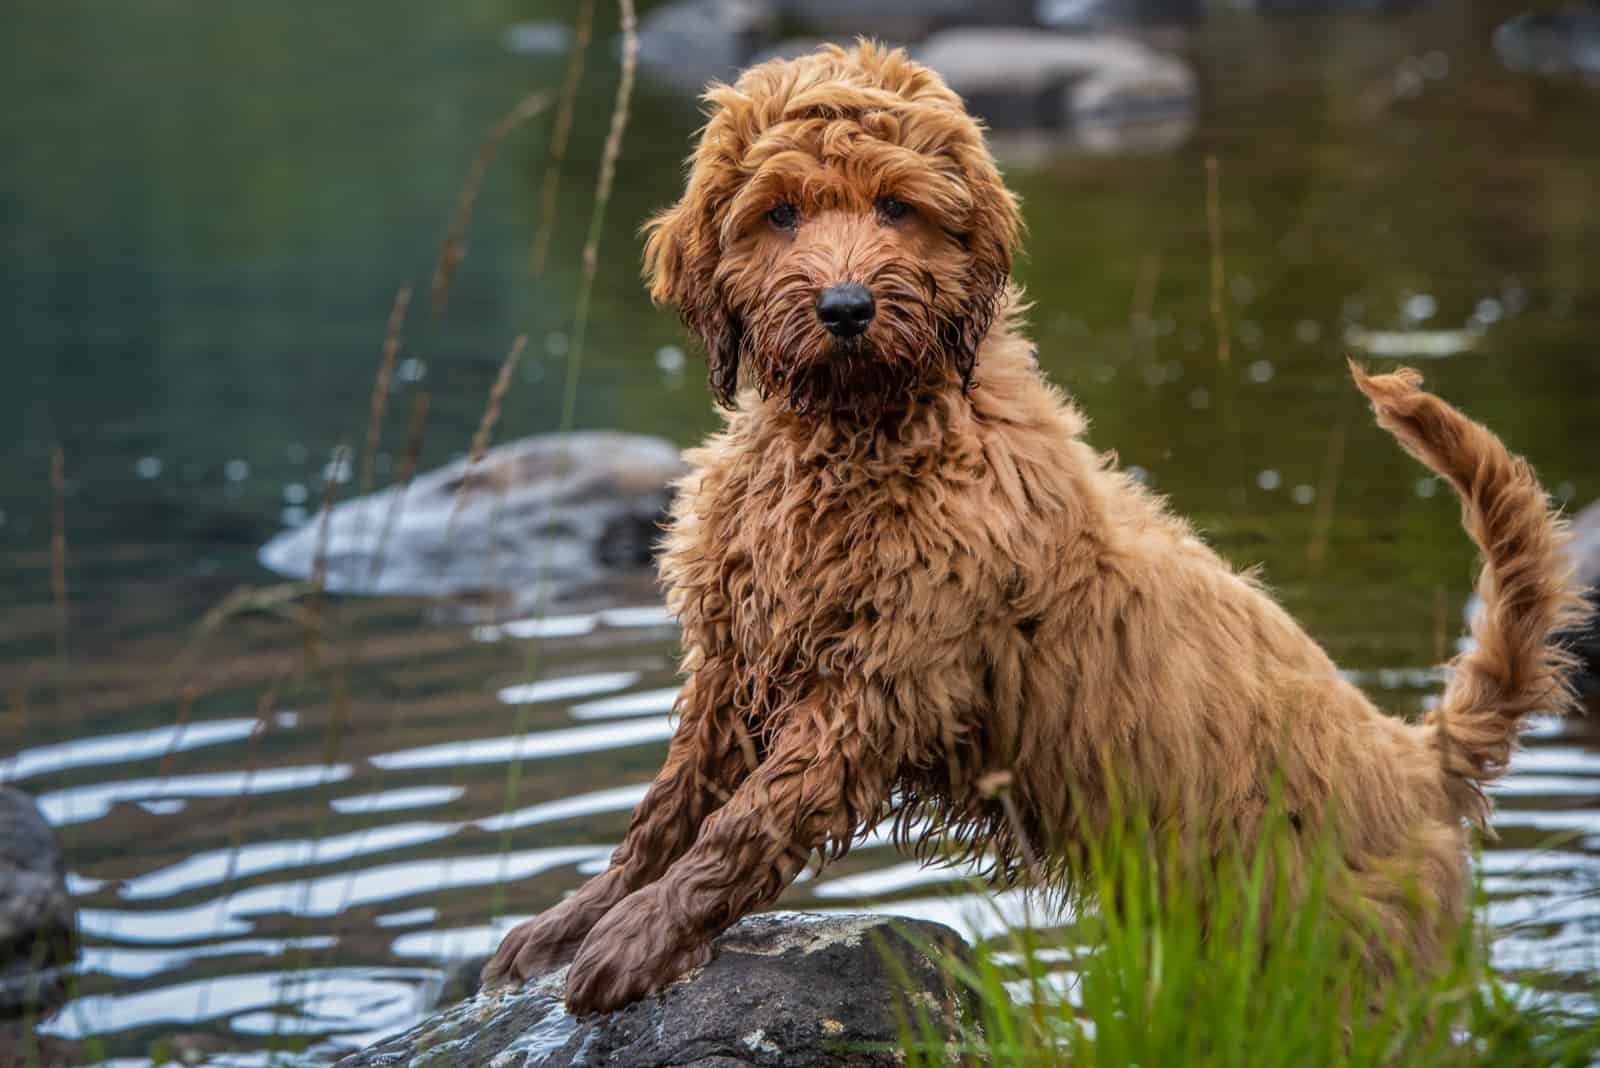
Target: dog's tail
{"type": "Point", "coordinates": [1516, 667]}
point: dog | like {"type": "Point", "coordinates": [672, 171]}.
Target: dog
{"type": "Point", "coordinates": [901, 571]}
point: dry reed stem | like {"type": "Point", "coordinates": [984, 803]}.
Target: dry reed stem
{"type": "Point", "coordinates": [1322, 523]}
{"type": "Point", "coordinates": [264, 706]}
{"type": "Point", "coordinates": [1219, 306]}
{"type": "Point", "coordinates": [486, 425]}
{"type": "Point", "coordinates": [407, 471]}
{"type": "Point", "coordinates": [319, 560]}
{"type": "Point", "coordinates": [591, 260]}
{"type": "Point", "coordinates": [1441, 638]}
{"type": "Point", "coordinates": [560, 135]}
{"type": "Point", "coordinates": [454, 248]}
{"type": "Point", "coordinates": [381, 384]}
{"type": "Point", "coordinates": [185, 713]}
{"type": "Point", "coordinates": [1144, 294]}
{"type": "Point", "coordinates": [602, 200]}
{"type": "Point", "coordinates": [58, 554]}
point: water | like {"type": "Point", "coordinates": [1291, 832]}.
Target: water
{"type": "Point", "coordinates": [204, 215]}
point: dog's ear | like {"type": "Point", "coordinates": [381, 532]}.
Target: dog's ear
{"type": "Point", "coordinates": [680, 260]}
{"type": "Point", "coordinates": [991, 232]}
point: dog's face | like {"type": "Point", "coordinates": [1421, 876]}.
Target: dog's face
{"type": "Point", "coordinates": [844, 234]}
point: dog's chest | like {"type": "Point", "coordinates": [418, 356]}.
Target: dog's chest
{"type": "Point", "coordinates": [831, 563]}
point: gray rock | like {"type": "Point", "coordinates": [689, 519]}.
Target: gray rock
{"type": "Point", "coordinates": [1561, 43]}
{"type": "Point", "coordinates": [1585, 550]}
{"type": "Point", "coordinates": [561, 519]}
{"type": "Point", "coordinates": [687, 43]}
{"type": "Point", "coordinates": [784, 989]}
{"type": "Point", "coordinates": [903, 20]}
{"type": "Point", "coordinates": [1088, 85]}
{"type": "Point", "coordinates": [1090, 14]}
{"type": "Point", "coordinates": [38, 936]}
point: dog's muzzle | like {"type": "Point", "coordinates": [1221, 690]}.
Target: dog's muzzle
{"type": "Point", "coordinates": [846, 309]}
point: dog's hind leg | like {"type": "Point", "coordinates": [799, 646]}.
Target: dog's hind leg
{"type": "Point", "coordinates": [709, 756]}
{"type": "Point", "coordinates": [815, 789]}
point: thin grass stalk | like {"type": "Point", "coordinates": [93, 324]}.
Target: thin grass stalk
{"type": "Point", "coordinates": [58, 555]}
{"type": "Point", "coordinates": [574, 366]}
{"type": "Point", "coordinates": [1219, 305]}
{"type": "Point", "coordinates": [381, 384]}
{"type": "Point", "coordinates": [486, 425]}
{"type": "Point", "coordinates": [454, 247]}
{"type": "Point", "coordinates": [407, 471]}
{"type": "Point", "coordinates": [313, 629]}
{"type": "Point", "coordinates": [264, 706]}
{"type": "Point", "coordinates": [1322, 521]}
{"type": "Point", "coordinates": [561, 134]}
{"type": "Point", "coordinates": [1219, 322]}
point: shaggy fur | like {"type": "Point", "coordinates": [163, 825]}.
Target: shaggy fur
{"type": "Point", "coordinates": [900, 569]}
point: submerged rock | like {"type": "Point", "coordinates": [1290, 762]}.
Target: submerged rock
{"type": "Point", "coordinates": [38, 938]}
{"type": "Point", "coordinates": [687, 43]}
{"type": "Point", "coordinates": [1099, 91]}
{"type": "Point", "coordinates": [558, 520]}
{"type": "Point", "coordinates": [784, 989]}
{"type": "Point", "coordinates": [1560, 43]}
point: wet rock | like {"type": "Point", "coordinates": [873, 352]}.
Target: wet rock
{"type": "Point", "coordinates": [687, 43]}
{"type": "Point", "coordinates": [788, 989]}
{"type": "Point", "coordinates": [1585, 550]}
{"type": "Point", "coordinates": [1089, 14]}
{"type": "Point", "coordinates": [1558, 43]}
{"type": "Point", "coordinates": [38, 937]}
{"type": "Point", "coordinates": [901, 20]}
{"type": "Point", "coordinates": [1028, 80]}
{"type": "Point", "coordinates": [562, 520]}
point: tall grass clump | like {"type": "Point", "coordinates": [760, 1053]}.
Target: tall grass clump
{"type": "Point", "coordinates": [1231, 963]}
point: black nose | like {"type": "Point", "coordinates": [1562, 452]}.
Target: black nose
{"type": "Point", "coordinates": [845, 309]}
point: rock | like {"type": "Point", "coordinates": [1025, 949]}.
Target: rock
{"type": "Point", "coordinates": [687, 43]}
{"type": "Point", "coordinates": [38, 935]}
{"type": "Point", "coordinates": [1585, 551]}
{"type": "Point", "coordinates": [562, 519]}
{"type": "Point", "coordinates": [789, 989]}
{"type": "Point", "coordinates": [1563, 43]}
{"type": "Point", "coordinates": [1089, 14]}
{"type": "Point", "coordinates": [902, 20]}
{"type": "Point", "coordinates": [1028, 80]}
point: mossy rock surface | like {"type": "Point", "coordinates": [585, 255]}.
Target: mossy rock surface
{"type": "Point", "coordinates": [784, 989]}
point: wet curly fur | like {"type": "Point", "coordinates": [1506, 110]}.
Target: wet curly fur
{"type": "Point", "coordinates": [900, 569]}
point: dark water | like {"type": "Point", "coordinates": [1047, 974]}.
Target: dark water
{"type": "Point", "coordinates": [204, 213]}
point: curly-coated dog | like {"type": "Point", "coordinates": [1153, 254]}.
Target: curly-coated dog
{"type": "Point", "coordinates": [900, 569]}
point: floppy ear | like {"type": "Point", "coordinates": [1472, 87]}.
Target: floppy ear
{"type": "Point", "coordinates": [990, 234]}
{"type": "Point", "coordinates": [680, 261]}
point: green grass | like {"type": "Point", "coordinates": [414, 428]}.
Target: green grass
{"type": "Point", "coordinates": [1164, 978]}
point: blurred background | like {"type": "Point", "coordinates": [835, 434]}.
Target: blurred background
{"type": "Point", "coordinates": [285, 813]}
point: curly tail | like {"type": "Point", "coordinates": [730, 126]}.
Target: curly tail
{"type": "Point", "coordinates": [1515, 668]}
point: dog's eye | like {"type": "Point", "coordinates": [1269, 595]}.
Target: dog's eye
{"type": "Point", "coordinates": [893, 209]}
{"type": "Point", "coordinates": [785, 216]}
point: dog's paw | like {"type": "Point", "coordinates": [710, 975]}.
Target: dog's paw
{"type": "Point", "coordinates": [636, 950]}
{"type": "Point", "coordinates": [532, 948]}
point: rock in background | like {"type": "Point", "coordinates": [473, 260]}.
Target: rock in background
{"type": "Point", "coordinates": [1067, 91]}
{"type": "Point", "coordinates": [562, 520]}
{"type": "Point", "coordinates": [38, 931]}
{"type": "Point", "coordinates": [1585, 549]}
{"type": "Point", "coordinates": [785, 989]}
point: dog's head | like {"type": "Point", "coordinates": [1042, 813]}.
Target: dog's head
{"type": "Point", "coordinates": [844, 233]}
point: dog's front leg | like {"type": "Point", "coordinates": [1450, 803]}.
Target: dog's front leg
{"type": "Point", "coordinates": [816, 787]}
{"type": "Point", "coordinates": [709, 756]}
